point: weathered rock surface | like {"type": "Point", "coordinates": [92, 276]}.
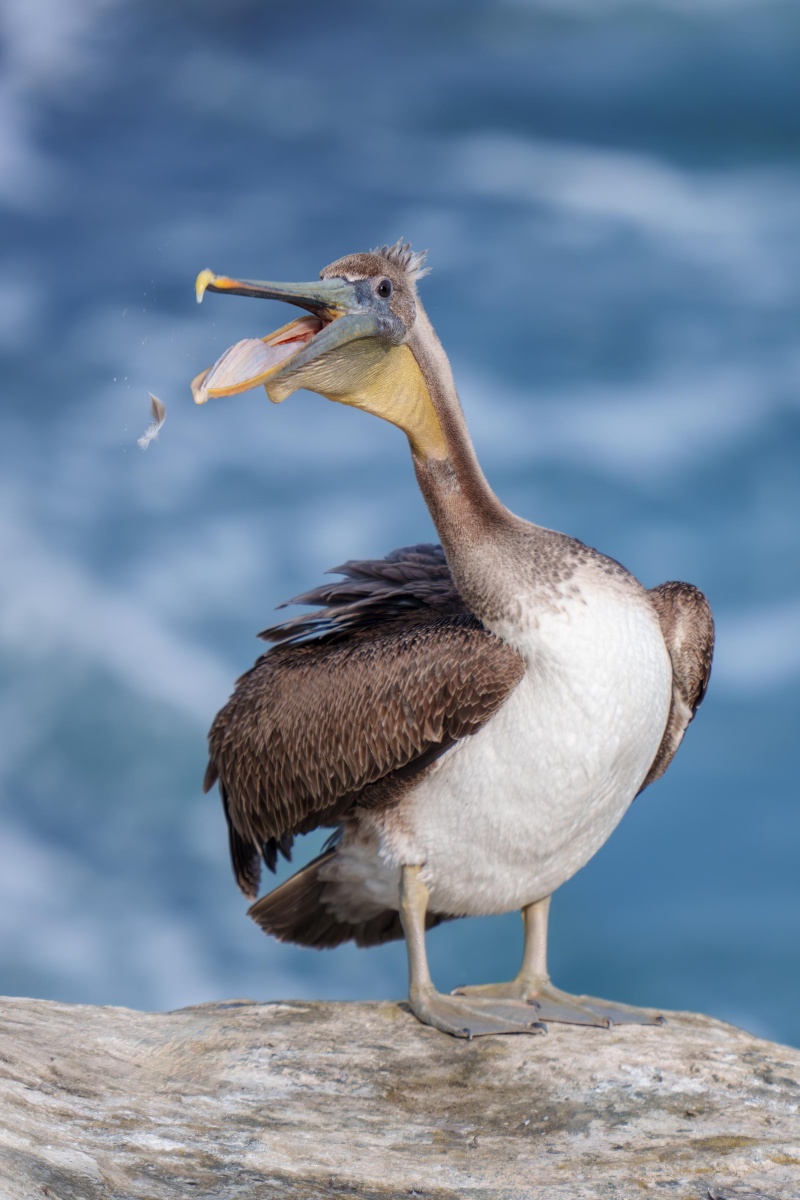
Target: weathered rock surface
{"type": "Point", "coordinates": [296, 1100]}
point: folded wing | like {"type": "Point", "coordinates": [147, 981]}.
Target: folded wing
{"type": "Point", "coordinates": [353, 702]}
{"type": "Point", "coordinates": [688, 629]}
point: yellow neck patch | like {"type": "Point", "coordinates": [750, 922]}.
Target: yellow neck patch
{"type": "Point", "coordinates": [385, 382]}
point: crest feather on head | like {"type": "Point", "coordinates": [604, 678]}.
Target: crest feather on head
{"type": "Point", "coordinates": [410, 261]}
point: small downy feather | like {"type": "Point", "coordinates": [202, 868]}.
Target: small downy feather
{"type": "Point", "coordinates": [159, 415]}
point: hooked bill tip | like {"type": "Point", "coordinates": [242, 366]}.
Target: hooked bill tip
{"type": "Point", "coordinates": [201, 283]}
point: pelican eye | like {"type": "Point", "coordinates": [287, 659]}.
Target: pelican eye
{"type": "Point", "coordinates": [384, 289]}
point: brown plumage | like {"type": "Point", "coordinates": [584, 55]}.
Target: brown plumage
{"type": "Point", "coordinates": [352, 703]}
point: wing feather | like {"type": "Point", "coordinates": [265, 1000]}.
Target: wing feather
{"type": "Point", "coordinates": [353, 701]}
{"type": "Point", "coordinates": [688, 628]}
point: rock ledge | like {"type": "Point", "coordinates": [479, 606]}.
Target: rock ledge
{"type": "Point", "coordinates": [302, 1100]}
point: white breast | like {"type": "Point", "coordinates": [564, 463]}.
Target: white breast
{"type": "Point", "coordinates": [509, 814]}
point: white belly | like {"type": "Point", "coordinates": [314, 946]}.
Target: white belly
{"type": "Point", "coordinates": [511, 813]}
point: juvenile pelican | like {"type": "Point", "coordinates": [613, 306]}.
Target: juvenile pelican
{"type": "Point", "coordinates": [474, 718]}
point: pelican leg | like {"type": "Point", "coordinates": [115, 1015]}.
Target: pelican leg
{"type": "Point", "coordinates": [532, 985]}
{"type": "Point", "coordinates": [450, 1014]}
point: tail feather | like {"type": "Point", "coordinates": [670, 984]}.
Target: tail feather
{"type": "Point", "coordinates": [294, 912]}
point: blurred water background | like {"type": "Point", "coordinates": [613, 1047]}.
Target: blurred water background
{"type": "Point", "coordinates": [610, 193]}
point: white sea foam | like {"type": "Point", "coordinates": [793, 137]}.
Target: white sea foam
{"type": "Point", "coordinates": [733, 222]}
{"type": "Point", "coordinates": [658, 425]}
{"type": "Point", "coordinates": [94, 936]}
{"type": "Point", "coordinates": [53, 607]}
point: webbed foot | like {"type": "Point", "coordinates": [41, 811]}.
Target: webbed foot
{"type": "Point", "coordinates": [466, 1019]}
{"type": "Point", "coordinates": [551, 1004]}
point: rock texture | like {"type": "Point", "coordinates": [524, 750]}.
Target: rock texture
{"type": "Point", "coordinates": [247, 1100]}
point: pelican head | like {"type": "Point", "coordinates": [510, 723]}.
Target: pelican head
{"type": "Point", "coordinates": [359, 343]}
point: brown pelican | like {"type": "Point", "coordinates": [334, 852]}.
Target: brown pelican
{"type": "Point", "coordinates": [474, 718]}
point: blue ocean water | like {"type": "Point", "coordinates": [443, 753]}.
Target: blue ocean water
{"type": "Point", "coordinates": [610, 194]}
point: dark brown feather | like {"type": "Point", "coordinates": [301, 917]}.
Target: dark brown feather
{"type": "Point", "coordinates": [412, 579]}
{"type": "Point", "coordinates": [244, 855]}
{"type": "Point", "coordinates": [688, 629]}
{"type": "Point", "coordinates": [353, 702]}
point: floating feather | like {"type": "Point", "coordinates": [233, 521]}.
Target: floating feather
{"type": "Point", "coordinates": [159, 414]}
